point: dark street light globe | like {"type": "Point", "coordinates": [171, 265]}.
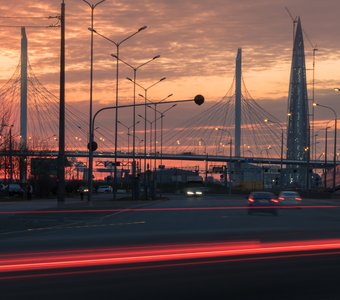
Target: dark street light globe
{"type": "Point", "coordinates": [199, 99]}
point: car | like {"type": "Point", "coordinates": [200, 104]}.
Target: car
{"type": "Point", "coordinates": [193, 192]}
{"type": "Point", "coordinates": [104, 189]}
{"type": "Point", "coordinates": [194, 186]}
{"type": "Point", "coordinates": [290, 198]}
{"type": "Point", "coordinates": [83, 189]}
{"type": "Point", "coordinates": [13, 189]}
{"type": "Point", "coordinates": [262, 202]}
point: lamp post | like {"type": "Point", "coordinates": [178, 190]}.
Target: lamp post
{"type": "Point", "coordinates": [335, 136]}
{"type": "Point", "coordinates": [92, 7]}
{"type": "Point", "coordinates": [140, 141]}
{"type": "Point", "coordinates": [10, 152]}
{"type": "Point", "coordinates": [250, 151]}
{"type": "Point", "coordinates": [266, 149]}
{"type": "Point", "coordinates": [162, 114]}
{"type": "Point", "coordinates": [199, 100]}
{"type": "Point", "coordinates": [281, 152]}
{"type": "Point", "coordinates": [205, 145]}
{"type": "Point", "coordinates": [135, 69]}
{"type": "Point", "coordinates": [326, 142]}
{"type": "Point", "coordinates": [117, 44]}
{"type": "Point", "coordinates": [128, 132]}
{"type": "Point", "coordinates": [314, 150]}
{"type": "Point", "coordinates": [150, 136]}
{"type": "Point", "coordinates": [61, 147]}
{"type": "Point", "coordinates": [229, 166]}
{"type": "Point", "coordinates": [145, 109]}
{"type": "Point", "coordinates": [155, 121]}
{"type": "Point", "coordinates": [227, 131]}
{"type": "Point", "coordinates": [178, 142]}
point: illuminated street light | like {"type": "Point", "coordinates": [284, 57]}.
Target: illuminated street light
{"type": "Point", "coordinates": [281, 152]}
{"type": "Point", "coordinates": [335, 137]}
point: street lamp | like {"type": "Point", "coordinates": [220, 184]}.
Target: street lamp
{"type": "Point", "coordinates": [250, 151]}
{"type": "Point", "coordinates": [178, 142]}
{"type": "Point", "coordinates": [199, 100]}
{"type": "Point", "coordinates": [117, 44]}
{"type": "Point", "coordinates": [162, 113]}
{"type": "Point", "coordinates": [281, 152]}
{"type": "Point", "coordinates": [92, 7]}
{"type": "Point", "coordinates": [155, 122]}
{"type": "Point", "coordinates": [150, 142]}
{"type": "Point", "coordinates": [230, 136]}
{"type": "Point", "coordinates": [128, 134]}
{"type": "Point", "coordinates": [10, 152]}
{"type": "Point", "coordinates": [145, 109]}
{"type": "Point", "coordinates": [135, 69]}
{"type": "Point", "coordinates": [267, 151]}
{"type": "Point", "coordinates": [326, 142]}
{"type": "Point", "coordinates": [315, 142]}
{"type": "Point", "coordinates": [200, 141]}
{"type": "Point", "coordinates": [335, 136]}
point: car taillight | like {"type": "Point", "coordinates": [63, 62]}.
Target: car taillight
{"type": "Point", "coordinates": [275, 200]}
{"type": "Point", "coordinates": [299, 199]}
{"type": "Point", "coordinates": [281, 198]}
{"type": "Point", "coordinates": [251, 200]}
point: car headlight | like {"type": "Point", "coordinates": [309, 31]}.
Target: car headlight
{"type": "Point", "coordinates": [199, 193]}
{"type": "Point", "coordinates": [190, 193]}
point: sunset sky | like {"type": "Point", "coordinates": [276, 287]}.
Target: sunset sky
{"type": "Point", "coordinates": [197, 41]}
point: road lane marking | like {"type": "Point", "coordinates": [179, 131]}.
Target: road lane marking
{"type": "Point", "coordinates": [72, 227]}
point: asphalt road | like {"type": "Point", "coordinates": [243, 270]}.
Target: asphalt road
{"type": "Point", "coordinates": [203, 226]}
{"type": "Point", "coordinates": [176, 220]}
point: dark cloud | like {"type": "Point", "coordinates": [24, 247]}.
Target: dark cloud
{"type": "Point", "coordinates": [197, 41]}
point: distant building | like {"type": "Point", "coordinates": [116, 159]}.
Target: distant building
{"type": "Point", "coordinates": [298, 135]}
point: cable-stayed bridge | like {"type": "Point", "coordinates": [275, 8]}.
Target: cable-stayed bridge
{"type": "Point", "coordinates": [235, 129]}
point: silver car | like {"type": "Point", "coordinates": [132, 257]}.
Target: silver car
{"type": "Point", "coordinates": [104, 189]}
{"type": "Point", "coordinates": [290, 198]}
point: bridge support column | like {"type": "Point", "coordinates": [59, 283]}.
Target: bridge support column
{"type": "Point", "coordinates": [238, 95]}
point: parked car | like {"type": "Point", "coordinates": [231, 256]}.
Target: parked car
{"type": "Point", "coordinates": [14, 189]}
{"type": "Point", "coordinates": [262, 202]}
{"type": "Point", "coordinates": [104, 189]}
{"type": "Point", "coordinates": [290, 198]}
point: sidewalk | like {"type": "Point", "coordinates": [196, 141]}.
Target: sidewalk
{"type": "Point", "coordinates": [99, 201]}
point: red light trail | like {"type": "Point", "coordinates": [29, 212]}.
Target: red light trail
{"type": "Point", "coordinates": [156, 209]}
{"type": "Point", "coordinates": [173, 253]}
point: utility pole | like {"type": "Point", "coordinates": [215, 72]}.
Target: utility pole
{"type": "Point", "coordinates": [61, 152]}
{"type": "Point", "coordinates": [23, 106]}
{"type": "Point", "coordinates": [325, 169]}
{"type": "Point", "coordinates": [10, 155]}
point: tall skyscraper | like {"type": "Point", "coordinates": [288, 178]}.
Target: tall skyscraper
{"type": "Point", "coordinates": [298, 143]}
